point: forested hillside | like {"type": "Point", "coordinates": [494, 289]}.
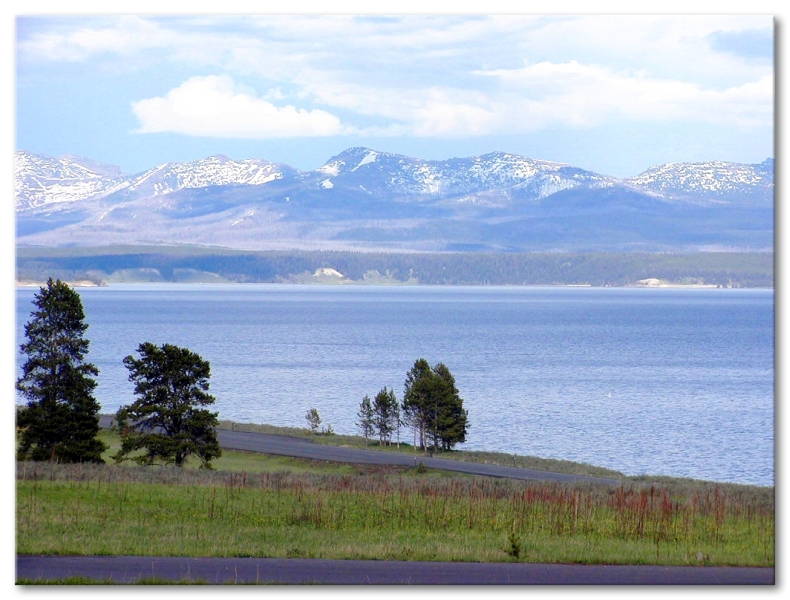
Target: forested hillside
{"type": "Point", "coordinates": [185, 264]}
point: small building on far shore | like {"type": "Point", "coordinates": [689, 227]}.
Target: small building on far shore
{"type": "Point", "coordinates": [650, 282]}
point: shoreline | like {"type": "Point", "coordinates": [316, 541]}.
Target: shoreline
{"type": "Point", "coordinates": [638, 285]}
{"type": "Point", "coordinates": [79, 283]}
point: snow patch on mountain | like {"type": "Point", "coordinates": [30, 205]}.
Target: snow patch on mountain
{"type": "Point", "coordinates": [330, 168]}
{"type": "Point", "coordinates": [369, 158]}
{"type": "Point", "coordinates": [45, 181]}
{"type": "Point", "coordinates": [211, 171]}
{"type": "Point", "coordinates": [716, 178]}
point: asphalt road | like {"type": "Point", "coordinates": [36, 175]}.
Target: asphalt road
{"type": "Point", "coordinates": [294, 571]}
{"type": "Point", "coordinates": [306, 448]}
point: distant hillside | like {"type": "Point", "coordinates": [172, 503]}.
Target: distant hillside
{"type": "Point", "coordinates": [183, 264]}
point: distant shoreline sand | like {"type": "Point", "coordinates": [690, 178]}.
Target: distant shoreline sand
{"type": "Point", "coordinates": [639, 284]}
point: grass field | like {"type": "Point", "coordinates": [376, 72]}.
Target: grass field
{"type": "Point", "coordinates": [263, 506]}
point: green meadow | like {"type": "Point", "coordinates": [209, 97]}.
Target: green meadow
{"type": "Point", "coordinates": [264, 506]}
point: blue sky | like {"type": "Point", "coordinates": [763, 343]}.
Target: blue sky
{"type": "Point", "coordinates": [613, 94]}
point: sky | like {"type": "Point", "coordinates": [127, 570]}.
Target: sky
{"type": "Point", "coordinates": [615, 94]}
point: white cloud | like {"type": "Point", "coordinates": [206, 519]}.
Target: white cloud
{"type": "Point", "coordinates": [547, 94]}
{"type": "Point", "coordinates": [210, 106]}
{"type": "Point", "coordinates": [123, 36]}
{"type": "Point", "coordinates": [426, 75]}
{"type": "Point", "coordinates": [442, 116]}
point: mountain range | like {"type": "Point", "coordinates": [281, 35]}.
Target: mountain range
{"type": "Point", "coordinates": [363, 199]}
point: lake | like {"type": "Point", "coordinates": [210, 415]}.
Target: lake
{"type": "Point", "coordinates": [666, 381]}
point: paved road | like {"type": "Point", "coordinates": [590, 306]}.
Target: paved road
{"type": "Point", "coordinates": [306, 448]}
{"type": "Point", "coordinates": [131, 569]}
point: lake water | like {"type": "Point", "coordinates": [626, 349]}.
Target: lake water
{"type": "Point", "coordinates": [645, 381]}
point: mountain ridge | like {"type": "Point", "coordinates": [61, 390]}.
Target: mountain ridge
{"type": "Point", "coordinates": [367, 199]}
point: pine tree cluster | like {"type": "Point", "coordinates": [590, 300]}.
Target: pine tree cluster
{"type": "Point", "coordinates": [60, 421]}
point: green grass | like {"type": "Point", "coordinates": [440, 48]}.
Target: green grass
{"type": "Point", "coordinates": [271, 506]}
{"type": "Point", "coordinates": [231, 460]}
{"type": "Point", "coordinates": [111, 510]}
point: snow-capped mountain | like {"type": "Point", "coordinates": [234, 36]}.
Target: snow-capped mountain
{"type": "Point", "coordinates": [714, 180]}
{"type": "Point", "coordinates": [404, 177]}
{"type": "Point", "coordinates": [43, 181]}
{"type": "Point", "coordinates": [211, 171]}
{"type": "Point", "coordinates": [366, 199]}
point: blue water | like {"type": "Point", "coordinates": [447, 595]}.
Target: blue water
{"type": "Point", "coordinates": [645, 381]}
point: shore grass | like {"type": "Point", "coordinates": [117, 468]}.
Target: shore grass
{"type": "Point", "coordinates": [385, 514]}
{"type": "Point", "coordinates": [273, 506]}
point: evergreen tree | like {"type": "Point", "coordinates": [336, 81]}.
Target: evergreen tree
{"type": "Point", "coordinates": [385, 414]}
{"type": "Point", "coordinates": [416, 401]}
{"type": "Point", "coordinates": [61, 419]}
{"type": "Point", "coordinates": [452, 419]}
{"type": "Point", "coordinates": [432, 406]}
{"type": "Point", "coordinates": [365, 414]}
{"type": "Point", "coordinates": [313, 420]}
{"type": "Point", "coordinates": [167, 422]}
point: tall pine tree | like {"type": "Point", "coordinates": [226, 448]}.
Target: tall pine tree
{"type": "Point", "coordinates": [61, 419]}
{"type": "Point", "coordinates": [366, 421]}
{"type": "Point", "coordinates": [417, 400]}
{"type": "Point", "coordinates": [452, 420]}
{"type": "Point", "coordinates": [167, 422]}
{"type": "Point", "coordinates": [432, 406]}
{"type": "Point", "coordinates": [386, 416]}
